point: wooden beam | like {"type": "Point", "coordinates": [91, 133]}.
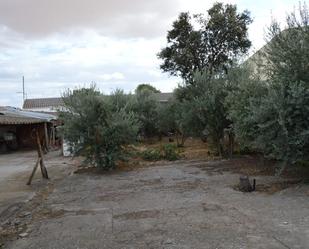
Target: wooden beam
{"type": "Point", "coordinates": [40, 160]}
{"type": "Point", "coordinates": [46, 136]}
{"type": "Point", "coordinates": [40, 154]}
{"type": "Point", "coordinates": [33, 171]}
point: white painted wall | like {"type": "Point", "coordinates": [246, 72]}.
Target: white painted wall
{"type": "Point", "coordinates": [66, 148]}
{"type": "Point", "coordinates": [45, 109]}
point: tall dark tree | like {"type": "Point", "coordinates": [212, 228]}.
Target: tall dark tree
{"type": "Point", "coordinates": [221, 37]}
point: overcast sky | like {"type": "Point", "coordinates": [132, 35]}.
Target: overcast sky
{"type": "Point", "coordinates": [59, 44]}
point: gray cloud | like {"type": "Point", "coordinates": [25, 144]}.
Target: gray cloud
{"type": "Point", "coordinates": [124, 18]}
{"type": "Point", "coordinates": [54, 64]}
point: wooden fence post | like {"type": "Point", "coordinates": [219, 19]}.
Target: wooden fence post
{"type": "Point", "coordinates": [40, 161]}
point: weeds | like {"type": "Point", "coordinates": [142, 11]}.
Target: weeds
{"type": "Point", "coordinates": [168, 152]}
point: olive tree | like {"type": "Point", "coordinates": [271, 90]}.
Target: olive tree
{"type": "Point", "coordinates": [94, 129]}
{"type": "Point", "coordinates": [145, 107]}
{"type": "Point", "coordinates": [271, 116]}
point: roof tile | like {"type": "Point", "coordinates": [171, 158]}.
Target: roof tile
{"type": "Point", "coordinates": [42, 103]}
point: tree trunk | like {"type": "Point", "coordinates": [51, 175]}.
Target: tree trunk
{"type": "Point", "coordinates": [177, 139]}
{"type": "Point", "coordinates": [231, 144]}
{"type": "Point", "coordinates": [219, 147]}
{"type": "Point", "coordinates": [282, 167]}
{"type": "Point", "coordinates": [182, 139]}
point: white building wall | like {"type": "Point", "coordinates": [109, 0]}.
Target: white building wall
{"type": "Point", "coordinates": [45, 109]}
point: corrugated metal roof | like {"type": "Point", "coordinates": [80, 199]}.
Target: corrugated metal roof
{"type": "Point", "coordinates": [7, 120]}
{"type": "Point", "coordinates": [42, 103]}
{"type": "Point", "coordinates": [58, 102]}
{"type": "Point", "coordinates": [11, 115]}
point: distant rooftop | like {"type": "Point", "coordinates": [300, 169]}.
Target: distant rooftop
{"type": "Point", "coordinates": [42, 103]}
{"type": "Point", "coordinates": [58, 102]}
{"type": "Point", "coordinates": [164, 97]}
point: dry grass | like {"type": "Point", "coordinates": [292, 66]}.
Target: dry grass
{"type": "Point", "coordinates": [193, 149]}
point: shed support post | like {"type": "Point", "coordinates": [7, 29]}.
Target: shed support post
{"type": "Point", "coordinates": [54, 136]}
{"type": "Point", "coordinates": [40, 161]}
{"type": "Point", "coordinates": [46, 136]}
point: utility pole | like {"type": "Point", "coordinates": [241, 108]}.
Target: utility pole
{"type": "Point", "coordinates": [23, 91]}
{"type": "Point", "coordinates": [24, 94]}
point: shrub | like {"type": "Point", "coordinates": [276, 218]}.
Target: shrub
{"type": "Point", "coordinates": [151, 155]}
{"type": "Point", "coordinates": [271, 117]}
{"type": "Point", "coordinates": [166, 152]}
{"type": "Point", "coordinates": [170, 152]}
{"type": "Point", "coordinates": [203, 108]}
{"type": "Point", "coordinates": [248, 90]}
{"type": "Point", "coordinates": [94, 130]}
{"type": "Point", "coordinates": [145, 108]}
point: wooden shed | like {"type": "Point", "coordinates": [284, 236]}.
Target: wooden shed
{"type": "Point", "coordinates": [17, 128]}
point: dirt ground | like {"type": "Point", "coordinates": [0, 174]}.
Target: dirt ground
{"type": "Point", "coordinates": [190, 203]}
{"type": "Point", "coordinates": [15, 169]}
{"type": "Point", "coordinates": [15, 195]}
{"type": "Point", "coordinates": [12, 167]}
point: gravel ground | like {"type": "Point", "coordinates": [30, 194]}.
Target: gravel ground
{"type": "Point", "coordinates": [13, 167]}
{"type": "Point", "coordinates": [184, 204]}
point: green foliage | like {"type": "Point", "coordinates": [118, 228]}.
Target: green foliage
{"type": "Point", "coordinates": [166, 119]}
{"type": "Point", "coordinates": [203, 108]}
{"type": "Point", "coordinates": [210, 102]}
{"type": "Point", "coordinates": [272, 116]}
{"type": "Point", "coordinates": [166, 152]}
{"type": "Point", "coordinates": [145, 108]}
{"type": "Point", "coordinates": [94, 129]}
{"type": "Point", "coordinates": [220, 37]}
{"type": "Point", "coordinates": [146, 87]}
{"type": "Point", "coordinates": [283, 120]}
{"type": "Point", "coordinates": [170, 152]}
{"type": "Point", "coordinates": [186, 120]}
{"type": "Point", "coordinates": [178, 117]}
{"type": "Point", "coordinates": [247, 90]}
{"type": "Point", "coordinates": [143, 104]}
{"type": "Point", "coordinates": [118, 100]}
{"type": "Point", "coordinates": [287, 52]}
{"type": "Point", "coordinates": [282, 116]}
{"type": "Point", "coordinates": [197, 54]}
{"type": "Point", "coordinates": [151, 155]}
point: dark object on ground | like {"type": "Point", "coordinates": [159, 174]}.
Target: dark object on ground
{"type": "Point", "coordinates": [204, 138]}
{"type": "Point", "coordinates": [245, 185]}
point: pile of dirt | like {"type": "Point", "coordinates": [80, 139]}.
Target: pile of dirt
{"type": "Point", "coordinates": [274, 187]}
